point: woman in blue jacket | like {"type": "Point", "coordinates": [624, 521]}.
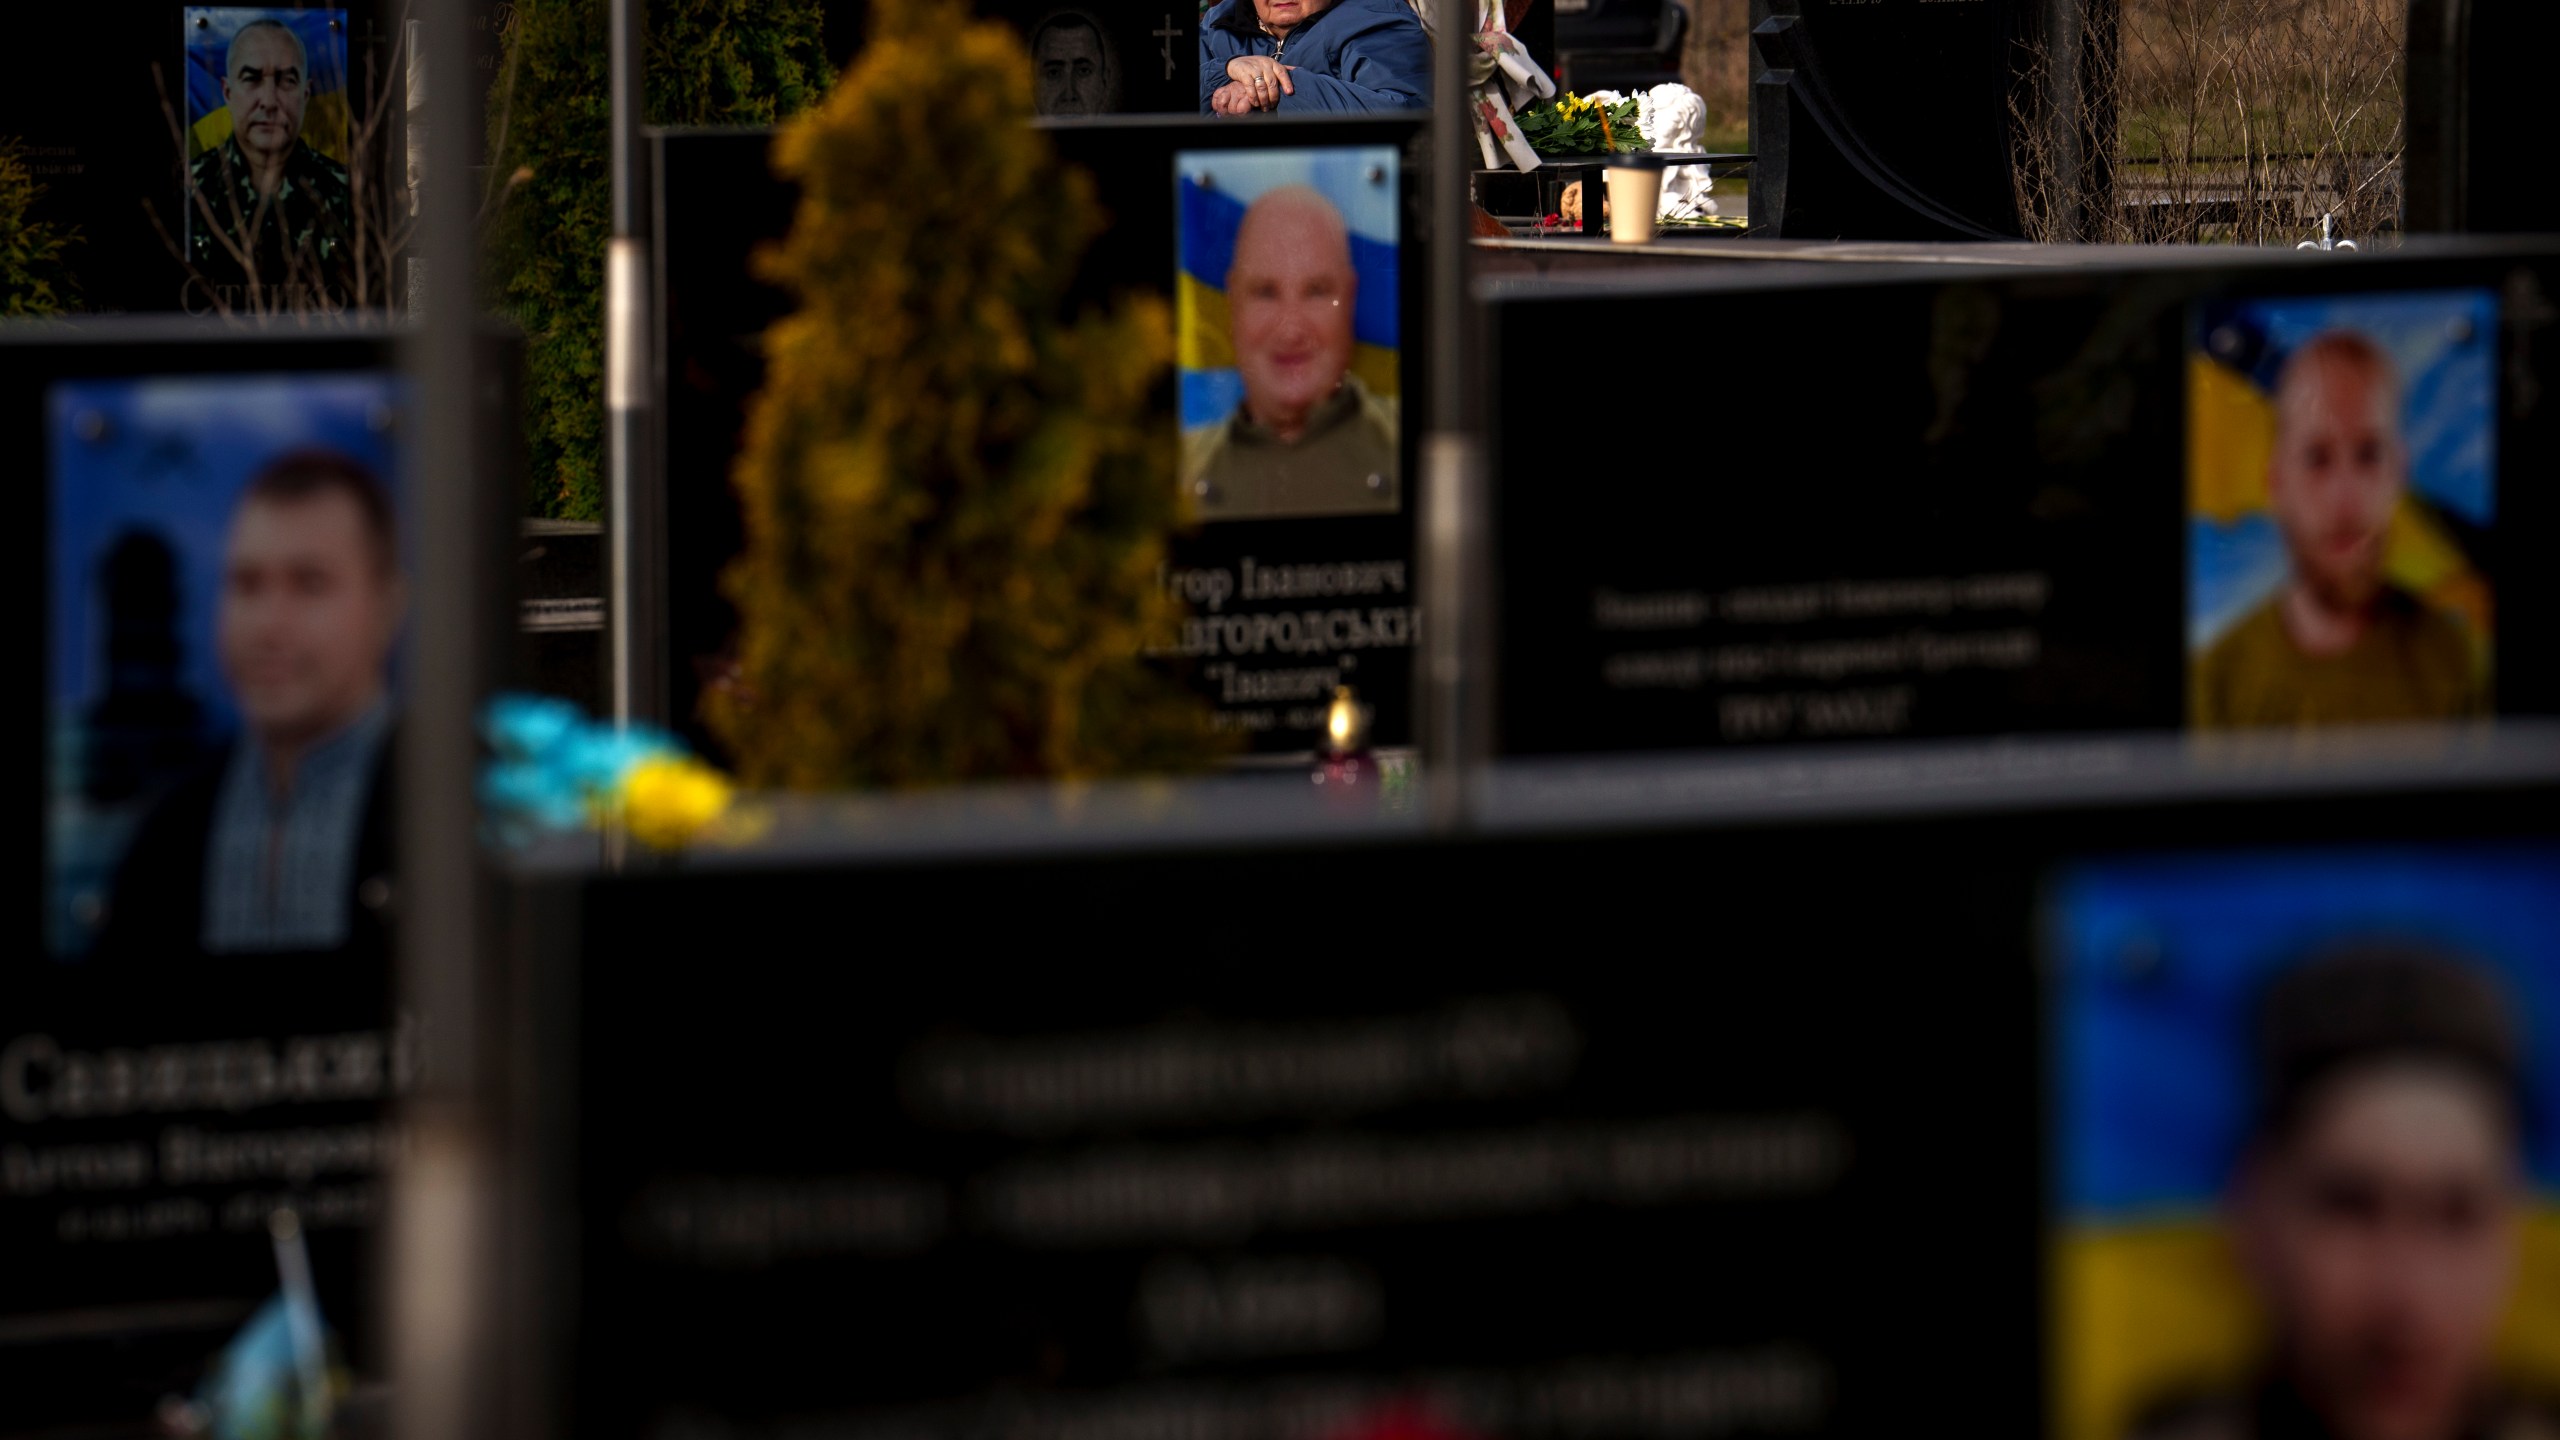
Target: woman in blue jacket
{"type": "Point", "coordinates": [1306, 57]}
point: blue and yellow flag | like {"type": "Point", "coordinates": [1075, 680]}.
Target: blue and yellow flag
{"type": "Point", "coordinates": [2159, 967]}
{"type": "Point", "coordinates": [2443, 345]}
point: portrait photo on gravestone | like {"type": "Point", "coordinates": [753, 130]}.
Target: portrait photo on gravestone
{"type": "Point", "coordinates": [2308, 1146]}
{"type": "Point", "coordinates": [1089, 57]}
{"type": "Point", "coordinates": [1076, 70]}
{"type": "Point", "coordinates": [268, 211]}
{"type": "Point", "coordinates": [2342, 468]}
{"type": "Point", "coordinates": [226, 603]}
{"type": "Point", "coordinates": [1287, 315]}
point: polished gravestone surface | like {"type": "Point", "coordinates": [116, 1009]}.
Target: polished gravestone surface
{"type": "Point", "coordinates": [100, 131]}
{"type": "Point", "coordinates": [165, 1099]}
{"type": "Point", "coordinates": [2477, 130]}
{"type": "Point", "coordinates": [1780, 1171]}
{"type": "Point", "coordinates": [1285, 606]}
{"type": "Point", "coordinates": [1885, 119]}
{"type": "Point", "coordinates": [1963, 500]}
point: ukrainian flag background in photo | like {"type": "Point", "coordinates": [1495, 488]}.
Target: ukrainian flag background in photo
{"type": "Point", "coordinates": [2158, 965]}
{"type": "Point", "coordinates": [323, 34]}
{"type": "Point", "coordinates": [2444, 345]}
{"type": "Point", "coordinates": [1216, 186]}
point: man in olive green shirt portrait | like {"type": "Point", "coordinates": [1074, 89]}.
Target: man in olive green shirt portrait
{"type": "Point", "coordinates": [2336, 643]}
{"type": "Point", "coordinates": [1309, 438]}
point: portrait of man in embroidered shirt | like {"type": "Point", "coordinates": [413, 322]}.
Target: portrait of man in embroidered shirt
{"type": "Point", "coordinates": [265, 206]}
{"type": "Point", "coordinates": [1299, 428]}
{"type": "Point", "coordinates": [2342, 488]}
{"type": "Point", "coordinates": [225, 603]}
{"type": "Point", "coordinates": [273, 847]}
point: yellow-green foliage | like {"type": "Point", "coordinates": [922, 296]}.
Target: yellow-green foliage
{"type": "Point", "coordinates": [33, 278]}
{"type": "Point", "coordinates": [956, 500]}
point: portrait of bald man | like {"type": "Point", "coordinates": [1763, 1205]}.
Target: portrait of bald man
{"type": "Point", "coordinates": [1307, 438]}
{"type": "Point", "coordinates": [264, 207]}
{"type": "Point", "coordinates": [2337, 642]}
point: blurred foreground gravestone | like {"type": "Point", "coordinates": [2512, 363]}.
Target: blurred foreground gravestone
{"type": "Point", "coordinates": [1885, 119]}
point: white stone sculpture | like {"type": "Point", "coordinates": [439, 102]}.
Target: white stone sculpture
{"type": "Point", "coordinates": [1674, 120]}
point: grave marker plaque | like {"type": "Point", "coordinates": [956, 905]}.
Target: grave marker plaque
{"type": "Point", "coordinates": [132, 95]}
{"type": "Point", "coordinates": [1286, 597]}
{"type": "Point", "coordinates": [1782, 1178]}
{"type": "Point", "coordinates": [176, 1064]}
{"type": "Point", "coordinates": [1966, 504]}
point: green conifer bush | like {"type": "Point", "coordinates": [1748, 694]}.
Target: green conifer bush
{"type": "Point", "coordinates": [957, 500]}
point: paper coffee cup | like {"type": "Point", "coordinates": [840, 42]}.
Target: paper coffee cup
{"type": "Point", "coordinates": [1635, 194]}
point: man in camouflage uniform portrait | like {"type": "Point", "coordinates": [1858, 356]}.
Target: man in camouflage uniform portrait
{"type": "Point", "coordinates": [280, 213]}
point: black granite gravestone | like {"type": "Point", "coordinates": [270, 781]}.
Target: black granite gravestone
{"type": "Point", "coordinates": [99, 126]}
{"type": "Point", "coordinates": [95, 140]}
{"type": "Point", "coordinates": [1541, 1206]}
{"type": "Point", "coordinates": [1096, 57]}
{"type": "Point", "coordinates": [1962, 505]}
{"type": "Point", "coordinates": [2477, 123]}
{"type": "Point", "coordinates": [1886, 119]}
{"type": "Point", "coordinates": [1266, 653]}
{"type": "Point", "coordinates": [1092, 57]}
{"type": "Point", "coordinates": [1259, 1186]}
{"type": "Point", "coordinates": [161, 1106]}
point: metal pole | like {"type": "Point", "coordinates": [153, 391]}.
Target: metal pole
{"type": "Point", "coordinates": [445, 1328]}
{"type": "Point", "coordinates": [1453, 148]}
{"type": "Point", "coordinates": [1452, 499]}
{"type": "Point", "coordinates": [633, 514]}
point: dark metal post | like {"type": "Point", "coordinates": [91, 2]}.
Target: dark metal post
{"type": "Point", "coordinates": [1771, 129]}
{"type": "Point", "coordinates": [448, 1349]}
{"type": "Point", "coordinates": [1455, 693]}
{"type": "Point", "coordinates": [2436, 153]}
{"type": "Point", "coordinates": [634, 514]}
